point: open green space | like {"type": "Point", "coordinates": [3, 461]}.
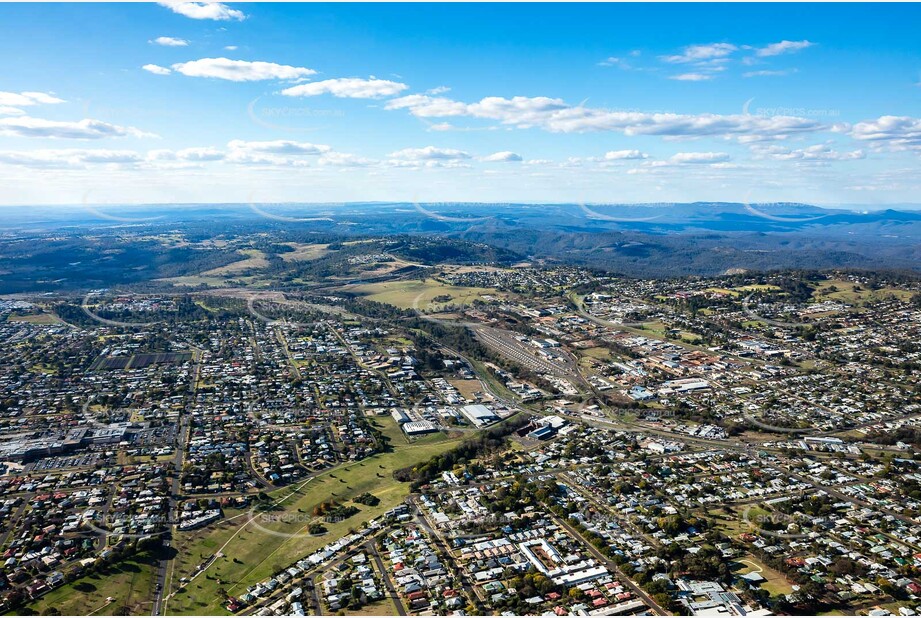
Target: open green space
{"type": "Point", "coordinates": [421, 294]}
{"type": "Point", "coordinates": [856, 294]}
{"type": "Point", "coordinates": [128, 583]}
{"type": "Point", "coordinates": [776, 583]}
{"type": "Point", "coordinates": [35, 318]}
{"type": "Point", "coordinates": [279, 539]}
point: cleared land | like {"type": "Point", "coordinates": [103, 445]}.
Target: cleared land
{"type": "Point", "coordinates": [35, 318]}
{"type": "Point", "coordinates": [254, 259]}
{"type": "Point", "coordinates": [467, 388]}
{"type": "Point", "coordinates": [305, 252]}
{"type": "Point", "coordinates": [421, 294]}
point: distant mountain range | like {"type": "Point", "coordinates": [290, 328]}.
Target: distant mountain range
{"type": "Point", "coordinates": [636, 239]}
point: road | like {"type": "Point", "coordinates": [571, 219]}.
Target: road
{"type": "Point", "coordinates": [182, 439]}
{"type": "Point", "coordinates": [371, 548]}
{"type": "Point", "coordinates": [648, 600]}
{"type": "Point", "coordinates": [172, 514]}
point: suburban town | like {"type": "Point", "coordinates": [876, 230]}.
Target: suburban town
{"type": "Point", "coordinates": [461, 440]}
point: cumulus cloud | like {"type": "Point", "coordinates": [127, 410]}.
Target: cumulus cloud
{"type": "Point", "coordinates": [200, 154]}
{"type": "Point", "coordinates": [240, 70]}
{"type": "Point", "coordinates": [894, 132]}
{"type": "Point", "coordinates": [195, 155]}
{"type": "Point", "coordinates": [424, 106]}
{"type": "Point", "coordinates": [343, 159]}
{"type": "Point", "coordinates": [698, 53]}
{"type": "Point", "coordinates": [26, 99]}
{"type": "Point", "coordinates": [280, 147]}
{"type": "Point", "coordinates": [156, 69]}
{"type": "Point", "coordinates": [696, 158]}
{"type": "Point", "coordinates": [348, 87]}
{"type": "Point", "coordinates": [818, 152]}
{"type": "Point", "coordinates": [622, 155]}
{"type": "Point", "coordinates": [168, 41]}
{"type": "Point", "coordinates": [430, 153]}
{"type": "Point", "coordinates": [505, 156]}
{"type": "Point", "coordinates": [216, 11]}
{"type": "Point", "coordinates": [26, 126]}
{"type": "Point", "coordinates": [275, 153]}
{"type": "Point", "coordinates": [783, 47]}
{"type": "Point", "coordinates": [556, 116]}
{"type": "Point", "coordinates": [67, 158]}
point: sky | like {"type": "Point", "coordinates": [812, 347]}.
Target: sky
{"type": "Point", "coordinates": [188, 102]}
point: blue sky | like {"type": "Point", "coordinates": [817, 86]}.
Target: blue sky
{"type": "Point", "coordinates": [210, 102]}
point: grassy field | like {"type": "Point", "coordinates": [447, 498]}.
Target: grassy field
{"type": "Point", "coordinates": [130, 583]}
{"type": "Point", "coordinates": [35, 318]}
{"type": "Point", "coordinates": [732, 525]}
{"type": "Point", "coordinates": [599, 353]}
{"type": "Point", "coordinates": [383, 607]}
{"type": "Point", "coordinates": [254, 259]}
{"type": "Point", "coordinates": [263, 547]}
{"type": "Point", "coordinates": [660, 329]}
{"type": "Point", "coordinates": [776, 583]}
{"type": "Point", "coordinates": [304, 252]}
{"type": "Point", "coordinates": [467, 388]}
{"type": "Point", "coordinates": [419, 294]}
{"type": "Point", "coordinates": [854, 294]}
{"type": "Point", "coordinates": [725, 291]}
{"type": "Point", "coordinates": [391, 430]}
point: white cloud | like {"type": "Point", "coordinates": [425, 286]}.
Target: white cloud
{"type": "Point", "coordinates": [622, 155]}
{"type": "Point", "coordinates": [231, 47]}
{"type": "Point", "coordinates": [25, 126]}
{"type": "Point", "coordinates": [430, 153]}
{"type": "Point", "coordinates": [614, 61]}
{"type": "Point", "coordinates": [11, 111]}
{"type": "Point", "coordinates": [67, 158]}
{"type": "Point", "coordinates": [556, 116]}
{"type": "Point", "coordinates": [283, 153]}
{"type": "Point", "coordinates": [348, 87]}
{"type": "Point", "coordinates": [424, 106]}
{"type": "Point", "coordinates": [695, 158]}
{"type": "Point", "coordinates": [894, 132]}
{"type": "Point", "coordinates": [818, 152]}
{"type": "Point", "coordinates": [216, 11]}
{"type": "Point", "coordinates": [783, 47]}
{"type": "Point", "coordinates": [156, 69]}
{"type": "Point", "coordinates": [26, 99]}
{"type": "Point", "coordinates": [279, 147]}
{"type": "Point", "coordinates": [240, 70]}
{"type": "Point", "coordinates": [769, 73]}
{"type": "Point", "coordinates": [200, 154]}
{"type": "Point", "coordinates": [505, 156]}
{"type": "Point", "coordinates": [168, 41]}
{"type": "Point", "coordinates": [692, 77]}
{"type": "Point", "coordinates": [343, 159]}
{"type": "Point", "coordinates": [697, 53]}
